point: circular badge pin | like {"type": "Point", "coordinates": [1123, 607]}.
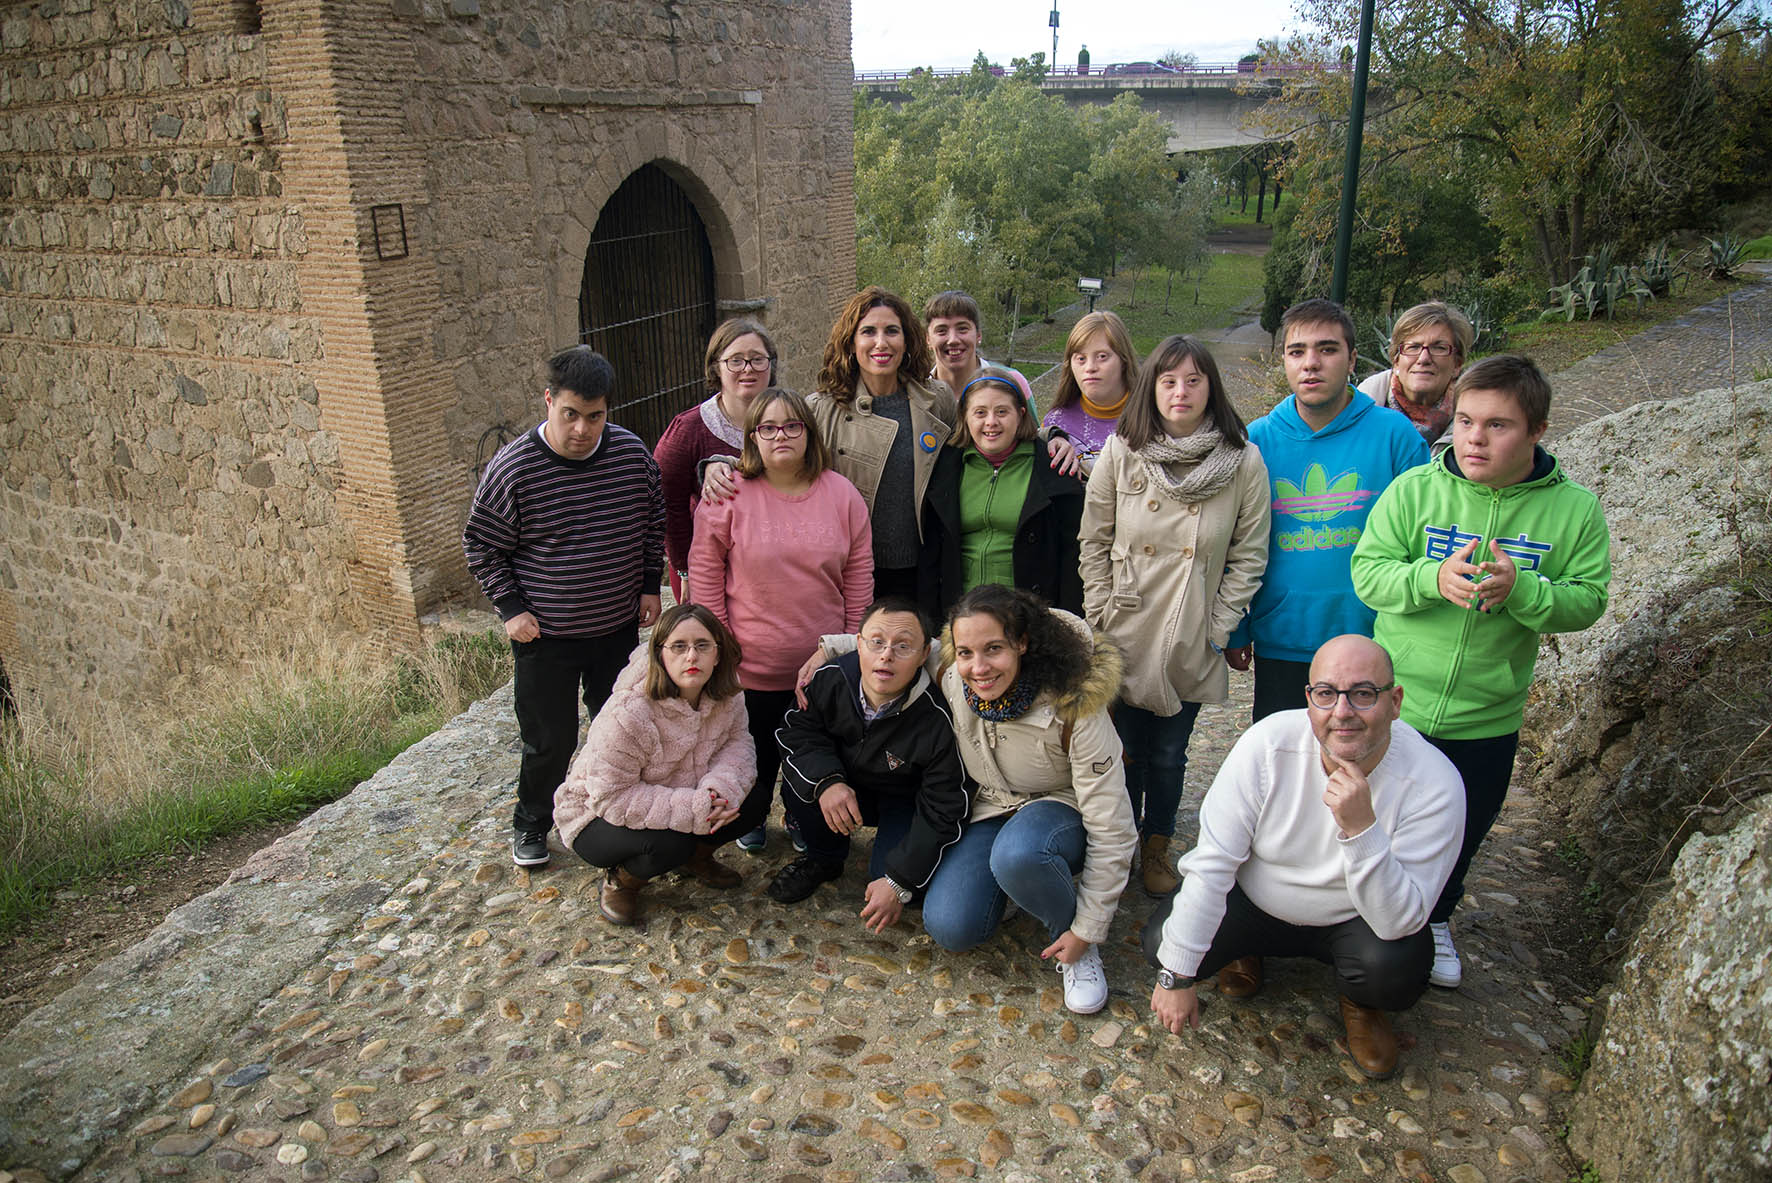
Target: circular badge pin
{"type": "Point", "coordinates": [928, 441]}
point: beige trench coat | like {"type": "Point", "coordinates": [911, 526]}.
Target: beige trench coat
{"type": "Point", "coordinates": [1168, 580]}
{"type": "Point", "coordinates": [860, 440]}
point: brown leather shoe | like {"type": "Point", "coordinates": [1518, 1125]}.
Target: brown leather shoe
{"type": "Point", "coordinates": [1241, 978]}
{"type": "Point", "coordinates": [1159, 869]}
{"type": "Point", "coordinates": [620, 900]}
{"type": "Point", "coordinates": [1370, 1040]}
{"type": "Point", "coordinates": [710, 870]}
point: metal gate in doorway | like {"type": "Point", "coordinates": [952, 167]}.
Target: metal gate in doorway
{"type": "Point", "coordinates": [647, 301]}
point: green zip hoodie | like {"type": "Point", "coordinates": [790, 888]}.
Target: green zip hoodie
{"type": "Point", "coordinates": [1465, 673]}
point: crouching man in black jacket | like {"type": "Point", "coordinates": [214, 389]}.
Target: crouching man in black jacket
{"type": "Point", "coordinates": [873, 746]}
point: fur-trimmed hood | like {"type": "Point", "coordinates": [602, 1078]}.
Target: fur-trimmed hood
{"type": "Point", "coordinates": [1098, 687]}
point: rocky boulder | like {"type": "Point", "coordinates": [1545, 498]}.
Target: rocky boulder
{"type": "Point", "coordinates": [1656, 727]}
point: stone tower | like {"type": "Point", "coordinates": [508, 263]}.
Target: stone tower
{"type": "Point", "coordinates": [276, 278]}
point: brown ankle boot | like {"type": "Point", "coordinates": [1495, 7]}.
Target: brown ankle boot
{"type": "Point", "coordinates": [1370, 1040]}
{"type": "Point", "coordinates": [620, 900]}
{"type": "Point", "coordinates": [1159, 869]}
{"type": "Point", "coordinates": [710, 870]}
{"type": "Point", "coordinates": [1240, 978]}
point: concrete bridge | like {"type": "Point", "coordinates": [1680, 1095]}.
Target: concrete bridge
{"type": "Point", "coordinates": [1205, 107]}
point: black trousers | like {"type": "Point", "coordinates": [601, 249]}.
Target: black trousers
{"type": "Point", "coordinates": [1487, 766]}
{"type": "Point", "coordinates": [766, 709]}
{"type": "Point", "coordinates": [1279, 686]}
{"type": "Point", "coordinates": [1376, 973]}
{"type": "Point", "coordinates": [551, 674]}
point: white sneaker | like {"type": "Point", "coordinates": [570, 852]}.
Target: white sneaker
{"type": "Point", "coordinates": [1085, 985]}
{"type": "Point", "coordinates": [1447, 971]}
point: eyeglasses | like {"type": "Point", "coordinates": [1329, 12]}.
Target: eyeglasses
{"type": "Point", "coordinates": [793, 429]}
{"type": "Point", "coordinates": [900, 649]}
{"type": "Point", "coordinates": [684, 648]}
{"type": "Point", "coordinates": [739, 365]}
{"type": "Point", "coordinates": [1363, 697]}
{"type": "Point", "coordinates": [1436, 349]}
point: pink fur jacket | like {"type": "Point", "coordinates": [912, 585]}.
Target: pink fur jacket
{"type": "Point", "coordinates": [648, 764]}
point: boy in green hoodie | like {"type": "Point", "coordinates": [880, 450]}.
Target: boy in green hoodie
{"type": "Point", "coordinates": [1468, 560]}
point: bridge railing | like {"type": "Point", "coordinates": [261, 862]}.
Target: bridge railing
{"type": "Point", "coordinates": [1115, 70]}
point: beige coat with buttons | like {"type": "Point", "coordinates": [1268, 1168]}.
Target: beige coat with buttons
{"type": "Point", "coordinates": [1169, 580]}
{"type": "Point", "coordinates": [860, 440]}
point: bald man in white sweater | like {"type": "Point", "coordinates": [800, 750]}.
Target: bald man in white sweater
{"type": "Point", "coordinates": [1328, 833]}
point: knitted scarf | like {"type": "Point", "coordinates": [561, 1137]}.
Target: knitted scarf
{"type": "Point", "coordinates": [1012, 705]}
{"type": "Point", "coordinates": [1205, 461]}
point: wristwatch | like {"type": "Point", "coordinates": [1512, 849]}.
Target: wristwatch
{"type": "Point", "coordinates": [904, 894]}
{"type": "Point", "coordinates": [1174, 981]}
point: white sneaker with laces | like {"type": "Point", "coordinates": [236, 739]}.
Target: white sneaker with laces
{"type": "Point", "coordinates": [1085, 984]}
{"type": "Point", "coordinates": [1447, 971]}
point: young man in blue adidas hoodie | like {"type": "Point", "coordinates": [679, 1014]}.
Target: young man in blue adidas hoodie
{"type": "Point", "coordinates": [1330, 451]}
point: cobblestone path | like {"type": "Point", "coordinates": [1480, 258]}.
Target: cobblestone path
{"type": "Point", "coordinates": [382, 996]}
{"type": "Point", "coordinates": [1723, 342]}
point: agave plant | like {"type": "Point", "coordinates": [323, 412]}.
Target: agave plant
{"type": "Point", "coordinates": [1725, 256]}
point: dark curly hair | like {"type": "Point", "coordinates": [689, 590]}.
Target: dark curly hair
{"type": "Point", "coordinates": [840, 371]}
{"type": "Point", "coordinates": [1057, 655]}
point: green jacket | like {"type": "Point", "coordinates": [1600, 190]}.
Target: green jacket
{"type": "Point", "coordinates": [1465, 673]}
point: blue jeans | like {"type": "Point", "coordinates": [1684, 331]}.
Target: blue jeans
{"type": "Point", "coordinates": [1156, 763]}
{"type": "Point", "coordinates": [1032, 855]}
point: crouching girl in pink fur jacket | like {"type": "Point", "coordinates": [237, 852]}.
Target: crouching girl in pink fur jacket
{"type": "Point", "coordinates": [662, 780]}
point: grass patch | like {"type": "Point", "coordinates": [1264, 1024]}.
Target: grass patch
{"type": "Point", "coordinates": [94, 793]}
{"type": "Point", "coordinates": [1229, 290]}
{"type": "Point", "coordinates": [1576, 1055]}
{"type": "Point", "coordinates": [1758, 248]}
{"type": "Point", "coordinates": [1234, 215]}
{"type": "Point", "coordinates": [1556, 345]}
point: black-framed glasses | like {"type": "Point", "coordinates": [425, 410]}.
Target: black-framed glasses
{"type": "Point", "coordinates": [793, 429]}
{"type": "Point", "coordinates": [1363, 697]}
{"type": "Point", "coordinates": [900, 649]}
{"type": "Point", "coordinates": [739, 365]}
{"type": "Point", "coordinates": [1434, 348]}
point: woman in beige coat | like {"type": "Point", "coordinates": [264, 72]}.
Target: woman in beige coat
{"type": "Point", "coordinates": [1173, 545]}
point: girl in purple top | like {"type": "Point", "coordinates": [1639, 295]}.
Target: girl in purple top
{"type": "Point", "coordinates": [1098, 373]}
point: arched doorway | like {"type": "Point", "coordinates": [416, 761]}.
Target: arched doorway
{"type": "Point", "coordinates": [647, 300]}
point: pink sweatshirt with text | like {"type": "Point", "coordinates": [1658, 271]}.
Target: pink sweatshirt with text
{"type": "Point", "coordinates": [780, 571]}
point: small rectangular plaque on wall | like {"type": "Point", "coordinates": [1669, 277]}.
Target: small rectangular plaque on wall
{"type": "Point", "coordinates": [390, 230]}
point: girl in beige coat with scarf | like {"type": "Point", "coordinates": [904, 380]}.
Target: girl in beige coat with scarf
{"type": "Point", "coordinates": [1173, 545]}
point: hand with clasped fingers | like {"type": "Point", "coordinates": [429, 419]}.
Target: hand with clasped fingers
{"type": "Point", "coordinates": [1483, 586]}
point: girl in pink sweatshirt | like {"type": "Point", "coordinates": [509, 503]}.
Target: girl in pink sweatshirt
{"type": "Point", "coordinates": [664, 776]}
{"type": "Point", "coordinates": [785, 560]}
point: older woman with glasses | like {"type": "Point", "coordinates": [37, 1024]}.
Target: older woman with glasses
{"type": "Point", "coordinates": [740, 363]}
{"type": "Point", "coordinates": [787, 558]}
{"type": "Point", "coordinates": [1429, 344]}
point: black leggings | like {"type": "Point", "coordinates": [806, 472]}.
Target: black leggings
{"type": "Point", "coordinates": [1376, 973]}
{"type": "Point", "coordinates": [1487, 766]}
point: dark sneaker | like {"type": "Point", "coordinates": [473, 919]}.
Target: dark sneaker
{"type": "Point", "coordinates": [801, 878]}
{"type": "Point", "coordinates": [793, 829]}
{"type": "Point", "coordinates": [529, 848]}
{"type": "Point", "coordinates": [754, 840]}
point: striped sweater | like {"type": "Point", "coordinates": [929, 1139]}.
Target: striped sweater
{"type": "Point", "coordinates": [576, 542]}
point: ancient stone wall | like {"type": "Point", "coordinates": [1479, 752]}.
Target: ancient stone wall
{"type": "Point", "coordinates": [170, 492]}
{"type": "Point", "coordinates": [231, 411]}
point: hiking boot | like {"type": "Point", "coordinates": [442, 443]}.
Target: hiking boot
{"type": "Point", "coordinates": [1241, 978]}
{"type": "Point", "coordinates": [1159, 869]}
{"type": "Point", "coordinates": [1448, 971]}
{"type": "Point", "coordinates": [529, 848]}
{"type": "Point", "coordinates": [620, 899]}
{"type": "Point", "coordinates": [1085, 983]}
{"type": "Point", "coordinates": [710, 870]}
{"type": "Point", "coordinates": [801, 878]}
{"type": "Point", "coordinates": [1370, 1040]}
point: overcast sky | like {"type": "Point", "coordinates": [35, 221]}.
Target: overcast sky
{"type": "Point", "coordinates": [900, 34]}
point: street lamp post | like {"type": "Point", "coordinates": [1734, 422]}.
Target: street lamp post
{"type": "Point", "coordinates": [1350, 178]}
{"type": "Point", "coordinates": [1053, 21]}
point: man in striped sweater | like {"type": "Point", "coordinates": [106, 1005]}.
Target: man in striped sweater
{"type": "Point", "coordinates": [566, 536]}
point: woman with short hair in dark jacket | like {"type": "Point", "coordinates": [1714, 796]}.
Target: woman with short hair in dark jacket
{"type": "Point", "coordinates": [996, 511]}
